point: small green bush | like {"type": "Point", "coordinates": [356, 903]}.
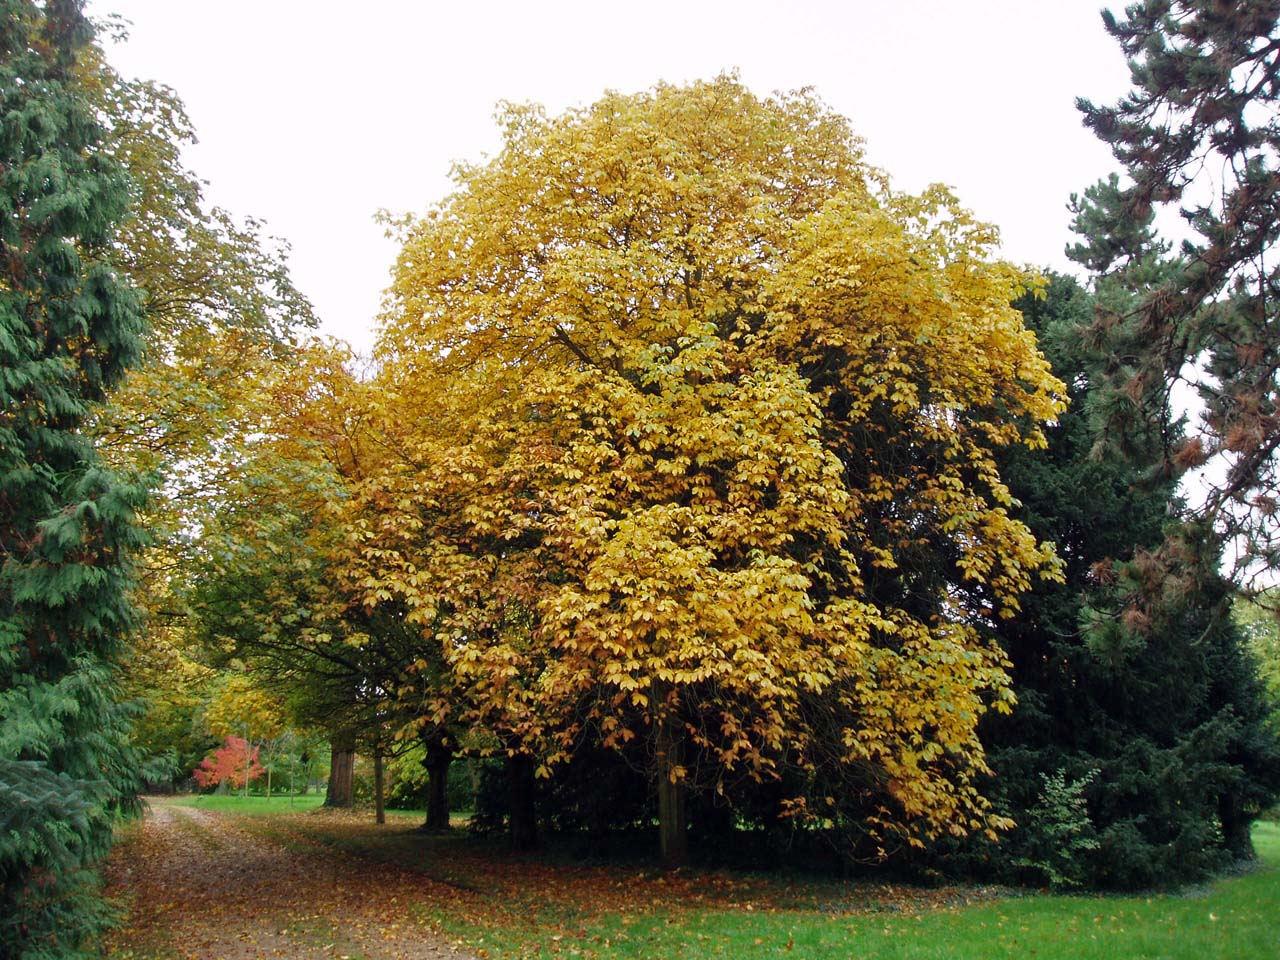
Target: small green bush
{"type": "Point", "coordinates": [1059, 835]}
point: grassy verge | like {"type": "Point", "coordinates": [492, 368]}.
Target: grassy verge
{"type": "Point", "coordinates": [1233, 921]}
{"type": "Point", "coordinates": [506, 905]}
{"type": "Point", "coordinates": [1232, 918]}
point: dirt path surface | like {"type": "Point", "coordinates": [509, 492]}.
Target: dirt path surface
{"type": "Point", "coordinates": [205, 886]}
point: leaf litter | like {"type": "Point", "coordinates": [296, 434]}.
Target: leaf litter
{"type": "Point", "coordinates": [201, 886]}
{"type": "Point", "coordinates": [333, 885]}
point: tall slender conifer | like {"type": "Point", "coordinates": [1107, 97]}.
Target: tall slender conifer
{"type": "Point", "coordinates": [69, 327]}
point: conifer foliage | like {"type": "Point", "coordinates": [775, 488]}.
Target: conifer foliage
{"type": "Point", "coordinates": [68, 329]}
{"type": "Point", "coordinates": [1200, 130]}
{"type": "Point", "coordinates": [1138, 753]}
{"type": "Point", "coordinates": [1133, 670]}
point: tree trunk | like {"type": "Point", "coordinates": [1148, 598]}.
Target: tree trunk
{"type": "Point", "coordinates": [342, 757]}
{"type": "Point", "coordinates": [673, 834]}
{"type": "Point", "coordinates": [437, 763]}
{"type": "Point", "coordinates": [248, 763]}
{"type": "Point", "coordinates": [1236, 835]}
{"type": "Point", "coordinates": [379, 805]}
{"type": "Point", "coordinates": [524, 825]}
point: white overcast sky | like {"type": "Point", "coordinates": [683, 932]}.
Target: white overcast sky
{"type": "Point", "coordinates": [314, 115]}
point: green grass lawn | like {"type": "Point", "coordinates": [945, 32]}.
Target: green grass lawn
{"type": "Point", "coordinates": [251, 805]}
{"type": "Point", "coordinates": [259, 806]}
{"type": "Point", "coordinates": [1235, 918]}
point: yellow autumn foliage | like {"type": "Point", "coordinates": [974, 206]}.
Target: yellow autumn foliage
{"type": "Point", "coordinates": [686, 414]}
{"type": "Point", "coordinates": [240, 708]}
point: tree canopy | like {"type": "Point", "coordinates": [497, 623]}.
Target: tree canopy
{"type": "Point", "coordinates": [687, 429]}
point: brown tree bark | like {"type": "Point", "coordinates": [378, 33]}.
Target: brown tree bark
{"type": "Point", "coordinates": [379, 783]}
{"type": "Point", "coordinates": [1236, 835]}
{"type": "Point", "coordinates": [523, 816]}
{"type": "Point", "coordinates": [437, 762]}
{"type": "Point", "coordinates": [673, 827]}
{"type": "Point", "coordinates": [342, 759]}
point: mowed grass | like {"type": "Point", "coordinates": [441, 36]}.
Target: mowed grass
{"type": "Point", "coordinates": [254, 806]}
{"type": "Point", "coordinates": [259, 806]}
{"type": "Point", "coordinates": [1235, 918]}
{"type": "Point", "coordinates": [504, 905]}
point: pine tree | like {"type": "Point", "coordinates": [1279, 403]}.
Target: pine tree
{"type": "Point", "coordinates": [69, 327]}
{"type": "Point", "coordinates": [1133, 681]}
{"type": "Point", "coordinates": [1199, 131]}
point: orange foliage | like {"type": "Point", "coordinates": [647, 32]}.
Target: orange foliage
{"type": "Point", "coordinates": [233, 763]}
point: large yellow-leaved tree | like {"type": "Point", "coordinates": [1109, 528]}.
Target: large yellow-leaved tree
{"type": "Point", "coordinates": [687, 426]}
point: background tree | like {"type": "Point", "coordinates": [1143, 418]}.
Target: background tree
{"type": "Point", "coordinates": [238, 705]}
{"type": "Point", "coordinates": [258, 587]}
{"type": "Point", "coordinates": [222, 313]}
{"type": "Point", "coordinates": [171, 681]}
{"type": "Point", "coordinates": [69, 326]}
{"type": "Point", "coordinates": [1199, 131]}
{"type": "Point", "coordinates": [266, 591]}
{"type": "Point", "coordinates": [220, 304]}
{"type": "Point", "coordinates": [235, 763]}
{"type": "Point", "coordinates": [1261, 631]}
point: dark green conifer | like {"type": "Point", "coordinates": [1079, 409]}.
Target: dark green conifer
{"type": "Point", "coordinates": [1150, 712]}
{"type": "Point", "coordinates": [1136, 692]}
{"type": "Point", "coordinates": [69, 326]}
